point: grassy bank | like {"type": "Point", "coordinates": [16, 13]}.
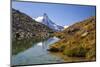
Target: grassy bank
{"type": "Point", "coordinates": [78, 40]}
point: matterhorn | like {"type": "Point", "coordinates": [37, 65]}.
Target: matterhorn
{"type": "Point", "coordinates": [46, 21]}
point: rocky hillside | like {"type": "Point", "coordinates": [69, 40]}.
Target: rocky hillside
{"type": "Point", "coordinates": [25, 29]}
{"type": "Point", "coordinates": [24, 26]}
{"type": "Point", "coordinates": [78, 40]}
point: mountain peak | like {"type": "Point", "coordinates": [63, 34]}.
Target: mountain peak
{"type": "Point", "coordinates": [45, 15]}
{"type": "Point", "coordinates": [48, 22]}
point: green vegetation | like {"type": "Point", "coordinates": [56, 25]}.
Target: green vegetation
{"type": "Point", "coordinates": [76, 52]}
{"type": "Point", "coordinates": [21, 45]}
{"type": "Point", "coordinates": [78, 40]}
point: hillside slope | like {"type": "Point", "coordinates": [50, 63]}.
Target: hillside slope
{"type": "Point", "coordinates": [78, 40]}
{"type": "Point", "coordinates": [25, 29]}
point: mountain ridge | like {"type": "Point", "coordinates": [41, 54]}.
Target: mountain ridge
{"type": "Point", "coordinates": [45, 20]}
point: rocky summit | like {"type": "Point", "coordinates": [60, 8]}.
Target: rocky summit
{"type": "Point", "coordinates": [48, 22]}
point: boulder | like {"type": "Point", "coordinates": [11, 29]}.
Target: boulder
{"type": "Point", "coordinates": [53, 49]}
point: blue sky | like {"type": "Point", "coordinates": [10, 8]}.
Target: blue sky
{"type": "Point", "coordinates": [61, 14]}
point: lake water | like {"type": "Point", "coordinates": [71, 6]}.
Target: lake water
{"type": "Point", "coordinates": [37, 54]}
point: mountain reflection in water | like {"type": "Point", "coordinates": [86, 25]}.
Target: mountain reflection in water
{"type": "Point", "coordinates": [37, 54]}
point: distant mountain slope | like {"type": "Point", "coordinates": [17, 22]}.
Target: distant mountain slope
{"type": "Point", "coordinates": [45, 20]}
{"type": "Point", "coordinates": [24, 26]}
{"type": "Point", "coordinates": [25, 30]}
{"type": "Point", "coordinates": [77, 40]}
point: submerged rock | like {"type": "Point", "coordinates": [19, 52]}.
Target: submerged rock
{"type": "Point", "coordinates": [53, 49]}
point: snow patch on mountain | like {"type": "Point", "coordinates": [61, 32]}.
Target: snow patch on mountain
{"type": "Point", "coordinates": [39, 19]}
{"type": "Point", "coordinates": [66, 27]}
{"type": "Point", "coordinates": [45, 20]}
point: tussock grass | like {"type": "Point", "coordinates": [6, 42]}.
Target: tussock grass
{"type": "Point", "coordinates": [78, 40]}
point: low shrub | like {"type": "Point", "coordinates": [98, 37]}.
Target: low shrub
{"type": "Point", "coordinates": [91, 54]}
{"type": "Point", "coordinates": [75, 52]}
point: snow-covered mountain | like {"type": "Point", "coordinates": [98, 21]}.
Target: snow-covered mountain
{"type": "Point", "coordinates": [66, 27]}
{"type": "Point", "coordinates": [45, 20]}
